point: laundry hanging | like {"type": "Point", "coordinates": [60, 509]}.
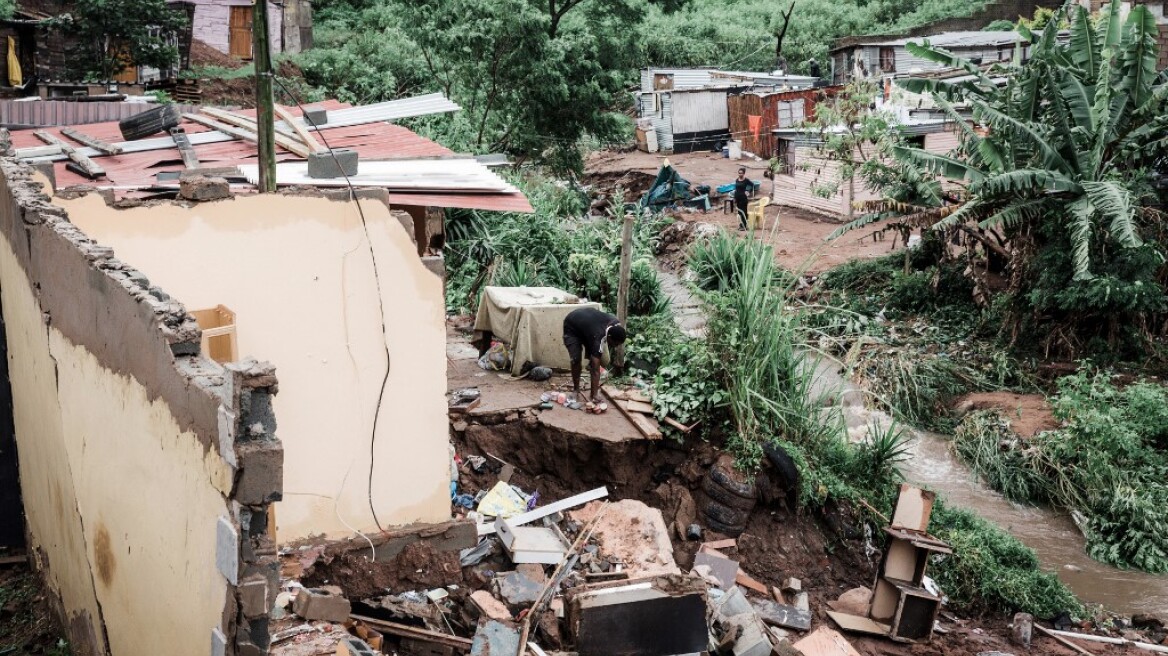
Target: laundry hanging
{"type": "Point", "coordinates": [755, 123]}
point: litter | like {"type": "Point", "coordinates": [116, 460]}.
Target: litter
{"type": "Point", "coordinates": [550, 509]}
{"type": "Point", "coordinates": [502, 501]}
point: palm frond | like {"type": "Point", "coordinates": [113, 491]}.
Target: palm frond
{"type": "Point", "coordinates": [1024, 181]}
{"type": "Point", "coordinates": [1081, 226]}
{"type": "Point", "coordinates": [1110, 28]}
{"type": "Point", "coordinates": [1138, 59]}
{"type": "Point", "coordinates": [1015, 214]}
{"type": "Point", "coordinates": [1025, 130]}
{"type": "Point", "coordinates": [1116, 203]}
{"type": "Point", "coordinates": [1084, 43]}
{"type": "Point", "coordinates": [950, 167]}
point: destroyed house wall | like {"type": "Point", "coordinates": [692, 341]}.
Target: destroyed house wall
{"type": "Point", "coordinates": [212, 23]}
{"type": "Point", "coordinates": [313, 303]}
{"type": "Point", "coordinates": [145, 503]}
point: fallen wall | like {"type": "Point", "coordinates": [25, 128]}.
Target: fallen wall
{"type": "Point", "coordinates": [144, 501]}
{"type": "Point", "coordinates": [297, 272]}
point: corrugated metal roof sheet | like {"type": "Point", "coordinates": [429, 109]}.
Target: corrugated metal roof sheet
{"type": "Point", "coordinates": [41, 113]}
{"type": "Point", "coordinates": [130, 171]}
{"type": "Point", "coordinates": [963, 39]}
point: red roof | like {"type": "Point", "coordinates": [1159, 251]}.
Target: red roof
{"type": "Point", "coordinates": [130, 172]}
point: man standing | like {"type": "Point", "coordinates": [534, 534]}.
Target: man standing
{"type": "Point", "coordinates": [742, 185]}
{"type": "Point", "coordinates": [585, 332]}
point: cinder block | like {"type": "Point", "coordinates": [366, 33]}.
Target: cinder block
{"type": "Point", "coordinates": [332, 164]}
{"type": "Point", "coordinates": [315, 116]}
{"type": "Point", "coordinates": [227, 550]}
{"type": "Point", "coordinates": [253, 597]}
{"type": "Point", "coordinates": [203, 189]}
{"type": "Point", "coordinates": [318, 604]}
{"type": "Point", "coordinates": [261, 472]}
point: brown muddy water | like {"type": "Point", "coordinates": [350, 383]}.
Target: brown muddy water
{"type": "Point", "coordinates": [1059, 544]}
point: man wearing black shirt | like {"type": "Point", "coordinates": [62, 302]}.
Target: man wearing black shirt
{"type": "Point", "coordinates": [585, 332]}
{"type": "Point", "coordinates": [742, 185]}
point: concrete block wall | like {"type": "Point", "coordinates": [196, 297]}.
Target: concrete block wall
{"type": "Point", "coordinates": [146, 469]}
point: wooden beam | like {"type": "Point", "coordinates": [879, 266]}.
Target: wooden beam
{"type": "Point", "coordinates": [284, 139]}
{"type": "Point", "coordinates": [300, 129]}
{"type": "Point", "coordinates": [1063, 641]}
{"type": "Point", "coordinates": [185, 149]}
{"type": "Point", "coordinates": [424, 635]}
{"type": "Point", "coordinates": [92, 142]}
{"type": "Point", "coordinates": [84, 164]}
{"type": "Point", "coordinates": [248, 133]}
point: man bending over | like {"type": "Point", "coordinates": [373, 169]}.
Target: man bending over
{"type": "Point", "coordinates": [585, 331]}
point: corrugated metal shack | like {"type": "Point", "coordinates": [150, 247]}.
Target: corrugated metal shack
{"type": "Point", "coordinates": [778, 109]}
{"type": "Point", "coordinates": [688, 106]}
{"type": "Point", "coordinates": [885, 56]}
{"type": "Point", "coordinates": [807, 173]}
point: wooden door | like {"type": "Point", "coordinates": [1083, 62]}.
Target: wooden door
{"type": "Point", "coordinates": [240, 43]}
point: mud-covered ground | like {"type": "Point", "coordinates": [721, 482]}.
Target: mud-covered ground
{"type": "Point", "coordinates": [27, 626]}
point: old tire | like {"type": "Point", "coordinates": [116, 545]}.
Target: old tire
{"type": "Point", "coordinates": [725, 514]}
{"type": "Point", "coordinates": [724, 529]}
{"type": "Point", "coordinates": [725, 497]}
{"type": "Point", "coordinates": [725, 478]}
{"type": "Point", "coordinates": [151, 121]}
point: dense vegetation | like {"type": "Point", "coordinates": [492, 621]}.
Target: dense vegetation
{"type": "Point", "coordinates": [535, 77]}
{"type": "Point", "coordinates": [1108, 464]}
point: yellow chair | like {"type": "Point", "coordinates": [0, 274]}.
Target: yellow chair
{"type": "Point", "coordinates": [755, 212]}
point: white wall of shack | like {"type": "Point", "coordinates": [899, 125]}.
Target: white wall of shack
{"type": "Point", "coordinates": [297, 273]}
{"type": "Point", "coordinates": [699, 111]}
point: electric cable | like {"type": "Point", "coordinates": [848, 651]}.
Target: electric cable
{"type": "Point", "coordinates": [380, 298]}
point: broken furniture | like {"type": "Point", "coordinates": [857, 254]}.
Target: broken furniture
{"type": "Point", "coordinates": [219, 339]}
{"type": "Point", "coordinates": [648, 617]}
{"type": "Point", "coordinates": [901, 607]}
{"type": "Point", "coordinates": [531, 321]}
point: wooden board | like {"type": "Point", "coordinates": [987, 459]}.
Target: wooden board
{"type": "Point", "coordinates": [301, 131]}
{"type": "Point", "coordinates": [858, 624]}
{"type": "Point", "coordinates": [747, 581]}
{"type": "Point", "coordinates": [825, 642]}
{"type": "Point", "coordinates": [914, 506]}
{"type": "Point", "coordinates": [639, 406]}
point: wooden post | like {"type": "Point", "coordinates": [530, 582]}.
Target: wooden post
{"type": "Point", "coordinates": [622, 290]}
{"type": "Point", "coordinates": [266, 130]}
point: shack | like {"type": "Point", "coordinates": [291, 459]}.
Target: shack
{"type": "Point", "coordinates": [771, 110]}
{"type": "Point", "coordinates": [810, 180]}
{"type": "Point", "coordinates": [888, 56]}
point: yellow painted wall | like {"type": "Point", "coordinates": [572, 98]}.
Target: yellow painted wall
{"type": "Point", "coordinates": [120, 501]}
{"type": "Point", "coordinates": [298, 274]}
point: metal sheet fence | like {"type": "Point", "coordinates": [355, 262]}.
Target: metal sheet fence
{"type": "Point", "coordinates": [17, 115]}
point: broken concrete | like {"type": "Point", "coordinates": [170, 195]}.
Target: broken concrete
{"type": "Point", "coordinates": [777, 614]}
{"type": "Point", "coordinates": [199, 188]}
{"type": "Point", "coordinates": [635, 534]}
{"type": "Point", "coordinates": [322, 604]}
{"type": "Point", "coordinates": [516, 589]}
{"type": "Point", "coordinates": [490, 607]}
{"type": "Point", "coordinates": [495, 638]}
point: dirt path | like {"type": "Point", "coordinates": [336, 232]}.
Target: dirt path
{"type": "Point", "coordinates": [799, 238]}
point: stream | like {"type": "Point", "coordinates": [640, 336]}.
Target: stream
{"type": "Point", "coordinates": [1059, 544]}
{"type": "Point", "coordinates": [933, 464]}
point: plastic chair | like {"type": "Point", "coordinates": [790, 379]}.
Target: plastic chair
{"type": "Point", "coordinates": [755, 212]}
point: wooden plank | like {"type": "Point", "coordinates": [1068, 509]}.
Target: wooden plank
{"type": "Point", "coordinates": [300, 129]}
{"type": "Point", "coordinates": [185, 149]}
{"type": "Point", "coordinates": [1063, 641]}
{"type": "Point", "coordinates": [414, 632]}
{"type": "Point", "coordinates": [859, 624]}
{"type": "Point", "coordinates": [92, 142]}
{"type": "Point", "coordinates": [550, 509]}
{"type": "Point", "coordinates": [747, 581]}
{"type": "Point", "coordinates": [825, 642]}
{"type": "Point", "coordinates": [284, 139]}
{"type": "Point", "coordinates": [642, 427]}
{"type": "Point", "coordinates": [242, 128]}
{"type": "Point", "coordinates": [728, 543]}
{"type": "Point", "coordinates": [85, 165]}
{"type": "Point", "coordinates": [680, 426]}
{"type": "Point", "coordinates": [639, 406]}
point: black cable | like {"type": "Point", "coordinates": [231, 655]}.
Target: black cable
{"type": "Point", "coordinates": [377, 282]}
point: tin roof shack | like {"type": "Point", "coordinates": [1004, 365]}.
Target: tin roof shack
{"type": "Point", "coordinates": [887, 56]}
{"type": "Point", "coordinates": [331, 289]}
{"type": "Point", "coordinates": [776, 109]}
{"type": "Point", "coordinates": [226, 25]}
{"type": "Point", "coordinates": [687, 106]}
{"type": "Point", "coordinates": [810, 180]}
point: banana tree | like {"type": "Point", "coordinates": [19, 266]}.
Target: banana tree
{"type": "Point", "coordinates": [1065, 140]}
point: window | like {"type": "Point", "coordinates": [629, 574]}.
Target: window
{"type": "Point", "coordinates": [785, 153]}
{"type": "Point", "coordinates": [888, 59]}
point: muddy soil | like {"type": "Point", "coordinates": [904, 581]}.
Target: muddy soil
{"type": "Point", "coordinates": [1029, 414]}
{"type": "Point", "coordinates": [417, 567]}
{"type": "Point", "coordinates": [797, 235]}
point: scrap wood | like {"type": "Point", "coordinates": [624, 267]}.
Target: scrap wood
{"type": "Point", "coordinates": [825, 642]}
{"type": "Point", "coordinates": [747, 581]}
{"type": "Point", "coordinates": [680, 426]}
{"type": "Point", "coordinates": [728, 543]}
{"type": "Point", "coordinates": [86, 166]}
{"type": "Point", "coordinates": [570, 556]}
{"type": "Point", "coordinates": [406, 631]}
{"type": "Point", "coordinates": [185, 149]}
{"type": "Point", "coordinates": [1063, 641]}
{"type": "Point", "coordinates": [247, 133]}
{"type": "Point", "coordinates": [92, 142]}
{"type": "Point", "coordinates": [300, 129]}
{"type": "Point", "coordinates": [638, 421]}
{"type": "Point", "coordinates": [291, 141]}
{"type": "Point", "coordinates": [639, 406]}
{"type": "Point", "coordinates": [549, 509]}
{"type": "Point", "coordinates": [1113, 641]}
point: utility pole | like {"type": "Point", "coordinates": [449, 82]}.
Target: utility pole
{"type": "Point", "coordinates": [622, 290]}
{"type": "Point", "coordinates": [265, 129]}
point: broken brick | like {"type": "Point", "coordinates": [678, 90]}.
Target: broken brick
{"type": "Point", "coordinates": [320, 604]}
